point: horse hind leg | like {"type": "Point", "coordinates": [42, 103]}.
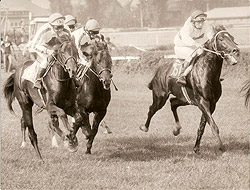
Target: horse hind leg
{"type": "Point", "coordinates": [28, 121]}
{"type": "Point", "coordinates": [175, 103]}
{"type": "Point", "coordinates": [23, 129]}
{"type": "Point", "coordinates": [106, 128]}
{"type": "Point", "coordinates": [158, 103]}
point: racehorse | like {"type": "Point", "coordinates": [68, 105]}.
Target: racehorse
{"type": "Point", "coordinates": [59, 99]}
{"type": "Point", "coordinates": [246, 90]}
{"type": "Point", "coordinates": [203, 87]}
{"type": "Point", "coordinates": [93, 93]}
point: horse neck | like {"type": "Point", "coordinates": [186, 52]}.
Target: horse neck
{"type": "Point", "coordinates": [59, 71]}
{"type": "Point", "coordinates": [211, 62]}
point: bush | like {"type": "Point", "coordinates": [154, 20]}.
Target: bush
{"type": "Point", "coordinates": [151, 60]}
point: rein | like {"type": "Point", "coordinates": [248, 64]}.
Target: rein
{"type": "Point", "coordinates": [98, 74]}
{"type": "Point", "coordinates": [222, 54]}
{"type": "Point", "coordinates": [63, 64]}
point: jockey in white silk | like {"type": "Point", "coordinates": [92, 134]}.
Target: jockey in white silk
{"type": "Point", "coordinates": [195, 32]}
{"type": "Point", "coordinates": [55, 28]}
{"type": "Point", "coordinates": [84, 35]}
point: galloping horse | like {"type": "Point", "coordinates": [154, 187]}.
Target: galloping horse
{"type": "Point", "coordinates": [246, 90]}
{"type": "Point", "coordinates": [93, 94]}
{"type": "Point", "coordinates": [61, 93]}
{"type": "Point", "coordinates": [203, 87]}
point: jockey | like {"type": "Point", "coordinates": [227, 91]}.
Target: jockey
{"type": "Point", "coordinates": [189, 39]}
{"type": "Point", "coordinates": [54, 28]}
{"type": "Point", "coordinates": [70, 21]}
{"type": "Point", "coordinates": [84, 35]}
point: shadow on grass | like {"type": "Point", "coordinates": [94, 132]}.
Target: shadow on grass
{"type": "Point", "coordinates": [161, 148]}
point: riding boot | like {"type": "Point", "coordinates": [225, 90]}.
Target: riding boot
{"type": "Point", "coordinates": [182, 78]}
{"type": "Point", "coordinates": [39, 76]}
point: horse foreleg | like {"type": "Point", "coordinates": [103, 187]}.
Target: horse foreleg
{"type": "Point", "coordinates": [86, 128]}
{"type": "Point", "coordinates": [199, 134]}
{"type": "Point", "coordinates": [207, 110]}
{"type": "Point", "coordinates": [67, 136]}
{"type": "Point", "coordinates": [51, 129]}
{"type": "Point", "coordinates": [158, 103]}
{"type": "Point", "coordinates": [23, 129]}
{"type": "Point", "coordinates": [96, 121]}
{"type": "Point", "coordinates": [175, 103]}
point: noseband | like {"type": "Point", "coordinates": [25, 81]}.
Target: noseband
{"type": "Point", "coordinates": [98, 74]}
{"type": "Point", "coordinates": [63, 65]}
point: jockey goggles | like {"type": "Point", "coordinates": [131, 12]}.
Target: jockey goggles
{"type": "Point", "coordinates": [57, 28]}
{"type": "Point", "coordinates": [91, 32]}
{"type": "Point", "coordinates": [72, 26]}
{"type": "Point", "coordinates": [201, 19]}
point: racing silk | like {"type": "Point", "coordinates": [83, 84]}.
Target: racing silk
{"type": "Point", "coordinates": [43, 36]}
{"type": "Point", "coordinates": [190, 36]}
{"type": "Point", "coordinates": [82, 39]}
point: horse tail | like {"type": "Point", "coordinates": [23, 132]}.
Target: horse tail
{"type": "Point", "coordinates": [8, 91]}
{"type": "Point", "coordinates": [246, 90]}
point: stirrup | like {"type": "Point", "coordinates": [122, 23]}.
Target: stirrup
{"type": "Point", "coordinates": [37, 84]}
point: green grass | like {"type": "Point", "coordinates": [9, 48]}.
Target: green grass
{"type": "Point", "coordinates": [130, 158]}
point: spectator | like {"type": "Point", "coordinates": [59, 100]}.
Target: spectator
{"type": "Point", "coordinates": [8, 50]}
{"type": "Point", "coordinates": [110, 45]}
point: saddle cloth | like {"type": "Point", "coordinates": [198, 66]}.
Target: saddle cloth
{"type": "Point", "coordinates": [177, 67]}
{"type": "Point", "coordinates": [30, 72]}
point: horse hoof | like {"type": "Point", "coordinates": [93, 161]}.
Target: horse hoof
{"type": "Point", "coordinates": [197, 151]}
{"type": "Point", "coordinates": [72, 149]}
{"type": "Point", "coordinates": [23, 145]}
{"type": "Point", "coordinates": [88, 152]}
{"type": "Point", "coordinates": [143, 128]}
{"type": "Point", "coordinates": [176, 132]}
{"type": "Point", "coordinates": [222, 149]}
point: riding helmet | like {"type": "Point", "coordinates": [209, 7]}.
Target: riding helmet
{"type": "Point", "coordinates": [70, 20]}
{"type": "Point", "coordinates": [56, 19]}
{"type": "Point", "coordinates": [92, 25]}
{"type": "Point", "coordinates": [196, 14]}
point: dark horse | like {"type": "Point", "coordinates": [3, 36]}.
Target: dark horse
{"type": "Point", "coordinates": [246, 90]}
{"type": "Point", "coordinates": [59, 99]}
{"type": "Point", "coordinates": [93, 94]}
{"type": "Point", "coordinates": [203, 84]}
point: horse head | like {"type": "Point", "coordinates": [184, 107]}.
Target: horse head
{"type": "Point", "coordinates": [66, 54]}
{"type": "Point", "coordinates": [98, 55]}
{"type": "Point", "coordinates": [224, 45]}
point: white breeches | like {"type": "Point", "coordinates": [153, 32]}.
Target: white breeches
{"type": "Point", "coordinates": [184, 52]}
{"type": "Point", "coordinates": [42, 59]}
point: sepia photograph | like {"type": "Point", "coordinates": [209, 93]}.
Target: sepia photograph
{"type": "Point", "coordinates": [125, 94]}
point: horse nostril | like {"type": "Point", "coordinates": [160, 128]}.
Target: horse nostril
{"type": "Point", "coordinates": [235, 51]}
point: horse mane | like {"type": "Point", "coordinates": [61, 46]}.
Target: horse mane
{"type": "Point", "coordinates": [58, 41]}
{"type": "Point", "coordinates": [217, 28]}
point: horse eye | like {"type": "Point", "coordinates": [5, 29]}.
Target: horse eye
{"type": "Point", "coordinates": [220, 38]}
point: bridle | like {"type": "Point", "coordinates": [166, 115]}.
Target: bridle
{"type": "Point", "coordinates": [98, 74]}
{"type": "Point", "coordinates": [63, 65]}
{"type": "Point", "coordinates": [66, 59]}
{"type": "Point", "coordinates": [215, 50]}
